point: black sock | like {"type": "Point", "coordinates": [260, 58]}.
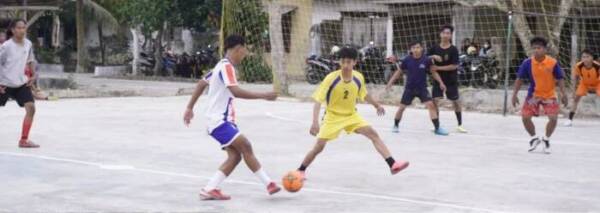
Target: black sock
{"type": "Point", "coordinates": [459, 117]}
{"type": "Point", "coordinates": [302, 168]}
{"type": "Point", "coordinates": [436, 123]}
{"type": "Point", "coordinates": [571, 114]}
{"type": "Point", "coordinates": [396, 122]}
{"type": "Point", "coordinates": [390, 161]}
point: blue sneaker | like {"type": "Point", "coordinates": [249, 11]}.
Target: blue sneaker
{"type": "Point", "coordinates": [395, 129]}
{"type": "Point", "coordinates": [441, 131]}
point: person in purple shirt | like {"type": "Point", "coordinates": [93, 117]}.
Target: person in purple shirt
{"type": "Point", "coordinates": [416, 66]}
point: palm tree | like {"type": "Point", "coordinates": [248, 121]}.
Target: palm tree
{"type": "Point", "coordinates": [91, 10]}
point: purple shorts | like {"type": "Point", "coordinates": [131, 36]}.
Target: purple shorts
{"type": "Point", "coordinates": [225, 133]}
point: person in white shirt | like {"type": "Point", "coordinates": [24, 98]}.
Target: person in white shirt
{"type": "Point", "coordinates": [222, 90]}
{"type": "Point", "coordinates": [16, 54]}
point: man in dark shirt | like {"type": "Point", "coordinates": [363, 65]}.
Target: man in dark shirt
{"type": "Point", "coordinates": [445, 58]}
{"type": "Point", "coordinates": [416, 66]}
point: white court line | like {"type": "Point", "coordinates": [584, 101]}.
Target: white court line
{"type": "Point", "coordinates": [325, 191]}
{"type": "Point", "coordinates": [268, 114]}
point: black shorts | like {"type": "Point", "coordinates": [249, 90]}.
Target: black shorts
{"type": "Point", "coordinates": [410, 94]}
{"type": "Point", "coordinates": [451, 92]}
{"type": "Point", "coordinates": [21, 94]}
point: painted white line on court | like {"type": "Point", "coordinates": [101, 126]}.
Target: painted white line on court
{"type": "Point", "coordinates": [469, 135]}
{"type": "Point", "coordinates": [325, 191]}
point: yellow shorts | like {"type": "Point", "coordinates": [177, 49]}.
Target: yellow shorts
{"type": "Point", "coordinates": [333, 125]}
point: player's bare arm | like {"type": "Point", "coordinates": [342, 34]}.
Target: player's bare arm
{"type": "Point", "coordinates": [515, 99]}
{"type": "Point", "coordinates": [245, 94]}
{"type": "Point", "coordinates": [436, 58]}
{"type": "Point", "coordinates": [436, 76]}
{"type": "Point", "coordinates": [451, 67]}
{"type": "Point", "coordinates": [189, 111]}
{"type": "Point", "coordinates": [33, 77]}
{"type": "Point", "coordinates": [575, 80]}
{"type": "Point", "coordinates": [393, 79]}
{"type": "Point", "coordinates": [314, 128]}
{"type": "Point", "coordinates": [563, 94]}
{"type": "Point", "coordinates": [378, 107]}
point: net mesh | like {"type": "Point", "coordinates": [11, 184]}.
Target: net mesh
{"type": "Point", "coordinates": [299, 38]}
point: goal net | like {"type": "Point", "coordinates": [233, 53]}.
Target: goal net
{"type": "Point", "coordinates": [299, 38]}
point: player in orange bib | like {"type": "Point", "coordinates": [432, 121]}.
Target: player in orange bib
{"type": "Point", "coordinates": [543, 73]}
{"type": "Point", "coordinates": [587, 73]}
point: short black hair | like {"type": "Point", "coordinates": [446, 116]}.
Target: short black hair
{"type": "Point", "coordinates": [447, 27]}
{"type": "Point", "coordinates": [348, 52]}
{"type": "Point", "coordinates": [415, 42]}
{"type": "Point", "coordinates": [233, 40]}
{"type": "Point", "coordinates": [12, 25]}
{"type": "Point", "coordinates": [589, 52]}
{"type": "Point", "coordinates": [538, 40]}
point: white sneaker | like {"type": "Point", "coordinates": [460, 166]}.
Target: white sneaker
{"type": "Point", "coordinates": [546, 145]}
{"type": "Point", "coordinates": [533, 143]}
{"type": "Point", "coordinates": [568, 123]}
{"type": "Point", "coordinates": [395, 129]}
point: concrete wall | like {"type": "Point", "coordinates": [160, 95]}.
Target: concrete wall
{"type": "Point", "coordinates": [300, 45]}
{"type": "Point", "coordinates": [92, 38]}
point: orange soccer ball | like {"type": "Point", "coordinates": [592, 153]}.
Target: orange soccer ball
{"type": "Point", "coordinates": [292, 181]}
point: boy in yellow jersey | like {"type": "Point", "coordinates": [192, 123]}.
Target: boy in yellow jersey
{"type": "Point", "coordinates": [340, 91]}
{"type": "Point", "coordinates": [587, 73]}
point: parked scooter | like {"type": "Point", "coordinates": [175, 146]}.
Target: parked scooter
{"type": "Point", "coordinates": [373, 64]}
{"type": "Point", "coordinates": [146, 62]}
{"type": "Point", "coordinates": [169, 62]}
{"type": "Point", "coordinates": [479, 71]}
{"type": "Point", "coordinates": [317, 67]}
{"type": "Point", "coordinates": [205, 59]}
{"type": "Point", "coordinates": [184, 66]}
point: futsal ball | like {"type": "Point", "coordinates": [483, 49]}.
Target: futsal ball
{"type": "Point", "coordinates": [292, 181]}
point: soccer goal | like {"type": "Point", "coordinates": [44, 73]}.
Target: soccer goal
{"type": "Point", "coordinates": [295, 41]}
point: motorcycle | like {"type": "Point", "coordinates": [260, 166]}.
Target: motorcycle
{"type": "Point", "coordinates": [479, 71]}
{"type": "Point", "coordinates": [169, 64]}
{"type": "Point", "coordinates": [373, 64]}
{"type": "Point", "coordinates": [146, 63]}
{"type": "Point", "coordinates": [205, 59]}
{"type": "Point", "coordinates": [184, 66]}
{"type": "Point", "coordinates": [317, 67]}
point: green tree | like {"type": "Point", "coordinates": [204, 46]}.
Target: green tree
{"type": "Point", "coordinates": [152, 16]}
{"type": "Point", "coordinates": [248, 18]}
{"type": "Point", "coordinates": [159, 15]}
{"type": "Point", "coordinates": [199, 15]}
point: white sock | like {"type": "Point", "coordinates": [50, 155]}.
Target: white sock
{"type": "Point", "coordinates": [215, 181]}
{"type": "Point", "coordinates": [534, 137]}
{"type": "Point", "coordinates": [262, 175]}
{"type": "Point", "coordinates": [546, 138]}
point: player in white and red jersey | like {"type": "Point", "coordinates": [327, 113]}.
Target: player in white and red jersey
{"type": "Point", "coordinates": [222, 90]}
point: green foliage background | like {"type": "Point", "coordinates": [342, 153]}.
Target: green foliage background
{"type": "Point", "coordinates": [248, 18]}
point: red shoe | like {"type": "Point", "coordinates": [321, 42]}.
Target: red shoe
{"type": "Point", "coordinates": [27, 144]}
{"type": "Point", "coordinates": [272, 188]}
{"type": "Point", "coordinates": [214, 194]}
{"type": "Point", "coordinates": [399, 166]}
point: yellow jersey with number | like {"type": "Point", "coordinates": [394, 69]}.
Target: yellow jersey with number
{"type": "Point", "coordinates": [340, 96]}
